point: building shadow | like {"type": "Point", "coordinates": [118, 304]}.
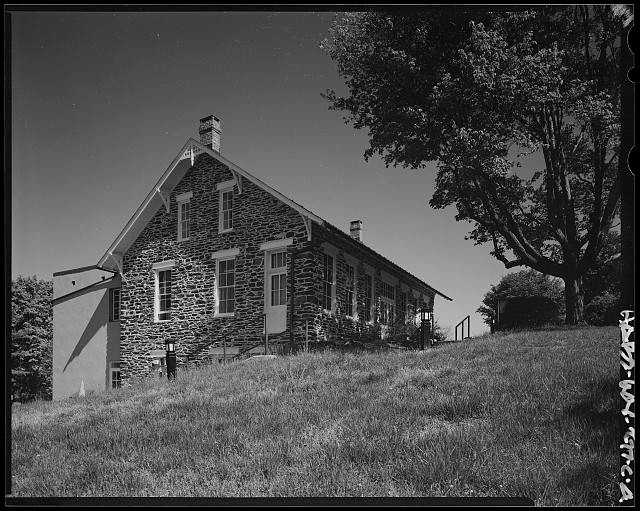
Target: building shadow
{"type": "Point", "coordinates": [98, 320]}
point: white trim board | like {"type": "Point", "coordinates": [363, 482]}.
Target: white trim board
{"type": "Point", "coordinates": [270, 245]}
{"type": "Point", "coordinates": [183, 197]}
{"type": "Point", "coordinates": [163, 265]}
{"type": "Point", "coordinates": [227, 253]}
{"type": "Point", "coordinates": [225, 185]}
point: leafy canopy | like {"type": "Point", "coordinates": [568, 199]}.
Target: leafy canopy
{"type": "Point", "coordinates": [31, 338]}
{"type": "Point", "coordinates": [481, 92]}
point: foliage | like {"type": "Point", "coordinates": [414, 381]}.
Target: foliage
{"type": "Point", "coordinates": [478, 92]}
{"type": "Point", "coordinates": [31, 338]}
{"type": "Point", "coordinates": [529, 283]}
{"type": "Point", "coordinates": [603, 310]}
{"type": "Point", "coordinates": [606, 274]}
{"type": "Point", "coordinates": [527, 312]}
{"type": "Point", "coordinates": [440, 334]}
{"type": "Point", "coordinates": [533, 414]}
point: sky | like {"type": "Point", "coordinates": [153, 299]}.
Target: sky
{"type": "Point", "coordinates": [102, 103]}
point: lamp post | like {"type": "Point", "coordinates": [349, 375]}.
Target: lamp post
{"type": "Point", "coordinates": [171, 359]}
{"type": "Point", "coordinates": [426, 319]}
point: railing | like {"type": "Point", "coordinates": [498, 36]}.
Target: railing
{"type": "Point", "coordinates": [466, 320]}
{"type": "Point", "coordinates": [241, 353]}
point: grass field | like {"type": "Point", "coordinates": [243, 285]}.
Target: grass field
{"type": "Point", "coordinates": [529, 414]}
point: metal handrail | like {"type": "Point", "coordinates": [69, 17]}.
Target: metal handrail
{"type": "Point", "coordinates": [240, 353]}
{"type": "Point", "coordinates": [461, 324]}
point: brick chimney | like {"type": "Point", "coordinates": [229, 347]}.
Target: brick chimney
{"type": "Point", "coordinates": [356, 229]}
{"type": "Point", "coordinates": [210, 131]}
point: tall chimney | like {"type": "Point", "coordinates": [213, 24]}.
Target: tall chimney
{"type": "Point", "coordinates": [356, 229]}
{"type": "Point", "coordinates": [210, 131]}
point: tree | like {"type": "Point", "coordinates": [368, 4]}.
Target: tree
{"type": "Point", "coordinates": [31, 338]}
{"type": "Point", "coordinates": [524, 283]}
{"type": "Point", "coordinates": [478, 92]}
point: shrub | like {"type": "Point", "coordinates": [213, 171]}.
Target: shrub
{"type": "Point", "coordinates": [603, 310]}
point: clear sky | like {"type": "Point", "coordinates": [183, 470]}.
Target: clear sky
{"type": "Point", "coordinates": [102, 102]}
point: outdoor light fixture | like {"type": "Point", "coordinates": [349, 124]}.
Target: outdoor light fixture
{"type": "Point", "coordinates": [426, 314]}
{"type": "Point", "coordinates": [171, 358]}
{"type": "Point", "coordinates": [426, 321]}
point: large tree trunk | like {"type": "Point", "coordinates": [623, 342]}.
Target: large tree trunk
{"type": "Point", "coordinates": [574, 301]}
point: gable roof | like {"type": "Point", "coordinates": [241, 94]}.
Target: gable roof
{"type": "Point", "coordinates": [158, 196]}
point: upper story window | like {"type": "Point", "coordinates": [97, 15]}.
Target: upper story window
{"type": "Point", "coordinates": [114, 304]}
{"type": "Point", "coordinates": [184, 215]}
{"type": "Point", "coordinates": [225, 222]}
{"type": "Point", "coordinates": [162, 302]}
{"type": "Point", "coordinates": [327, 282]}
{"type": "Point", "coordinates": [226, 286]}
{"type": "Point", "coordinates": [387, 290]}
{"type": "Point", "coordinates": [350, 289]}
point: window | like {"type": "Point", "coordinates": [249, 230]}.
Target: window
{"type": "Point", "coordinates": [226, 286]}
{"type": "Point", "coordinates": [386, 312]}
{"type": "Point", "coordinates": [278, 263]}
{"type": "Point", "coordinates": [226, 210]}
{"type": "Point", "coordinates": [162, 301]}
{"type": "Point", "coordinates": [327, 282]}
{"type": "Point", "coordinates": [114, 304]}
{"type": "Point", "coordinates": [387, 303]}
{"type": "Point", "coordinates": [416, 313]}
{"type": "Point", "coordinates": [387, 291]}
{"type": "Point", "coordinates": [184, 222]}
{"type": "Point", "coordinates": [411, 310]}
{"type": "Point", "coordinates": [350, 290]}
{"type": "Point", "coordinates": [368, 296]}
{"type": "Point", "coordinates": [114, 375]}
{"type": "Point", "coordinates": [402, 304]}
{"type": "Point", "coordinates": [184, 215]}
{"type": "Point", "coordinates": [164, 295]}
{"type": "Point", "coordinates": [159, 365]}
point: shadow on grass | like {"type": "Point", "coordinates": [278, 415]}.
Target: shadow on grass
{"type": "Point", "coordinates": [597, 413]}
{"type": "Point", "coordinates": [593, 481]}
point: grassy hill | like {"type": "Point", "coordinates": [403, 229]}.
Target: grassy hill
{"type": "Point", "coordinates": [529, 414]}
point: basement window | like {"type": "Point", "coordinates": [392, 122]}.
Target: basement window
{"type": "Point", "coordinates": [114, 375]}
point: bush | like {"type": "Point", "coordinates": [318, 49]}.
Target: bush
{"type": "Point", "coordinates": [545, 307]}
{"type": "Point", "coordinates": [603, 310]}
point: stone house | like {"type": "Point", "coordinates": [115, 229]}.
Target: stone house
{"type": "Point", "coordinates": [221, 263]}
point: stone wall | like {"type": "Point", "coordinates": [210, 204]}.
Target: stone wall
{"type": "Point", "coordinates": [258, 217]}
